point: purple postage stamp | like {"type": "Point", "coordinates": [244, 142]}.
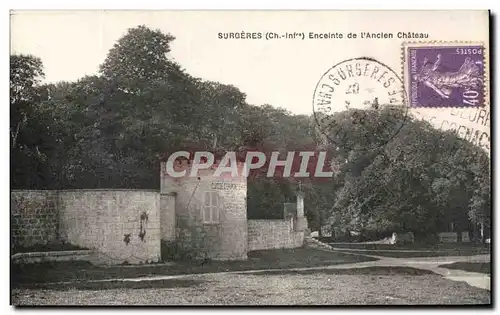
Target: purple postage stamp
{"type": "Point", "coordinates": [445, 75]}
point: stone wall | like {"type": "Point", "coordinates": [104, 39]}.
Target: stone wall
{"type": "Point", "coordinates": [269, 234]}
{"type": "Point", "coordinates": [167, 216]}
{"type": "Point", "coordinates": [130, 225]}
{"type": "Point", "coordinates": [121, 225]}
{"type": "Point", "coordinates": [118, 225]}
{"type": "Point", "coordinates": [33, 217]}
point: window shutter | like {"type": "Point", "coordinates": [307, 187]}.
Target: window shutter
{"type": "Point", "coordinates": [211, 207]}
{"type": "Point", "coordinates": [215, 207]}
{"type": "Point", "coordinates": [207, 199]}
{"type": "Point", "coordinates": [206, 214]}
{"type": "Point", "coordinates": [216, 211]}
{"type": "Point", "coordinates": [215, 199]}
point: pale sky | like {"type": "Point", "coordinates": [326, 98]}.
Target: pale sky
{"type": "Point", "coordinates": [281, 72]}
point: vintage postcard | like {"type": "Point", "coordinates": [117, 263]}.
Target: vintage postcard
{"type": "Point", "coordinates": [250, 158]}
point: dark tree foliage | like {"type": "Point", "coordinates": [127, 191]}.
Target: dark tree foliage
{"type": "Point", "coordinates": [110, 131]}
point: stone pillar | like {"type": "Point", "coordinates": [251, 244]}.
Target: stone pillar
{"type": "Point", "coordinates": [301, 219]}
{"type": "Point", "coordinates": [300, 204]}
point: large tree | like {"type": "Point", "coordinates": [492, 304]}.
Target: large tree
{"type": "Point", "coordinates": [27, 128]}
{"type": "Point", "coordinates": [422, 179]}
{"type": "Point", "coordinates": [140, 55]}
{"type": "Point", "coordinates": [110, 130]}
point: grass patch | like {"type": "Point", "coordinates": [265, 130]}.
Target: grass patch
{"type": "Point", "coordinates": [415, 246]}
{"type": "Point", "coordinates": [372, 271]}
{"type": "Point", "coordinates": [397, 254]}
{"type": "Point", "coordinates": [470, 266]}
{"type": "Point", "coordinates": [415, 250]}
{"type": "Point", "coordinates": [46, 272]}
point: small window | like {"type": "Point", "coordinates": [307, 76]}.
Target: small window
{"type": "Point", "coordinates": [211, 207]}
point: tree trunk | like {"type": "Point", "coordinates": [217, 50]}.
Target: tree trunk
{"type": "Point", "coordinates": [320, 234]}
{"type": "Point", "coordinates": [14, 136]}
{"type": "Point", "coordinates": [482, 232]}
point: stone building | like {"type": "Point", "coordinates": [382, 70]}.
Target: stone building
{"type": "Point", "coordinates": [205, 216]}
{"type": "Point", "coordinates": [205, 213]}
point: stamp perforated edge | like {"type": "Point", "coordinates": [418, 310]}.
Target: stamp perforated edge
{"type": "Point", "coordinates": [437, 43]}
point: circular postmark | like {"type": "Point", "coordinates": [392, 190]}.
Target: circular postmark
{"type": "Point", "coordinates": [351, 95]}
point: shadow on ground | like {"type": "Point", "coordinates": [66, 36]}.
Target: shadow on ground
{"type": "Point", "coordinates": [51, 272]}
{"type": "Point", "coordinates": [414, 250]}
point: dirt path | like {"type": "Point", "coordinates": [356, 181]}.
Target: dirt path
{"type": "Point", "coordinates": [475, 279]}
